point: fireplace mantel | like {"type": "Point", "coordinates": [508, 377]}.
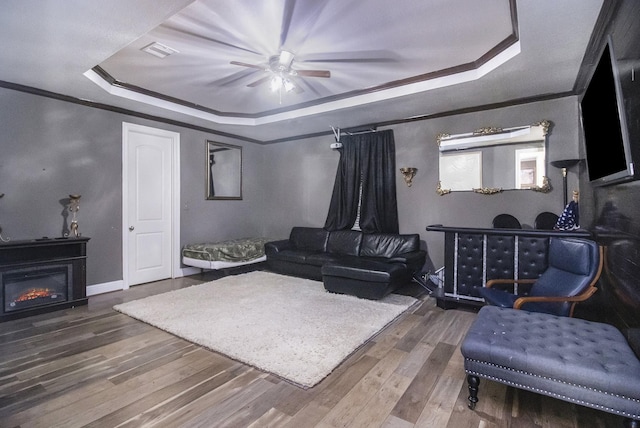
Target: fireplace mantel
{"type": "Point", "coordinates": [35, 263]}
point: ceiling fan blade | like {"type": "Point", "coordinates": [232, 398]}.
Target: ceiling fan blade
{"type": "Point", "coordinates": [202, 23]}
{"type": "Point", "coordinates": [313, 73]}
{"type": "Point", "coordinates": [208, 39]}
{"type": "Point", "coordinates": [297, 88]}
{"type": "Point", "coordinates": [244, 64]}
{"type": "Point", "coordinates": [355, 56]}
{"type": "Point", "coordinates": [233, 79]}
{"type": "Point", "coordinates": [299, 19]}
{"type": "Point", "coordinates": [287, 14]}
{"type": "Point", "coordinates": [313, 87]}
{"type": "Point", "coordinates": [259, 82]}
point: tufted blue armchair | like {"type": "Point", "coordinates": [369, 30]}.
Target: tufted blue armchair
{"type": "Point", "coordinates": [574, 267]}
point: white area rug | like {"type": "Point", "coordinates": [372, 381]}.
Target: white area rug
{"type": "Point", "coordinates": [287, 326]}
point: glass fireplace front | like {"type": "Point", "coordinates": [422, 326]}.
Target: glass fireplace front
{"type": "Point", "coordinates": [34, 286]}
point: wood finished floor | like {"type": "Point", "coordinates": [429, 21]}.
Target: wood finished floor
{"type": "Point", "coordinates": [93, 367]}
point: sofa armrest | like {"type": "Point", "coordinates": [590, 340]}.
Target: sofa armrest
{"type": "Point", "coordinates": [273, 247]}
{"type": "Point", "coordinates": [414, 259]}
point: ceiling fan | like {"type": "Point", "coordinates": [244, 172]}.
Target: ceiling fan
{"type": "Point", "coordinates": [297, 18]}
{"type": "Point", "coordinates": [280, 72]}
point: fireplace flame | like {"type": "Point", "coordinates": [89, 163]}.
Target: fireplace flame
{"type": "Point", "coordinates": [35, 293]}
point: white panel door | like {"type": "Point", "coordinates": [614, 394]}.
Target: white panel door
{"type": "Point", "coordinates": [149, 205]}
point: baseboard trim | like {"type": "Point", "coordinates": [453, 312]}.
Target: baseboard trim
{"type": "Point", "coordinates": [108, 287]}
{"type": "Point", "coordinates": [105, 287]}
{"type": "Point", "coordinates": [189, 271]}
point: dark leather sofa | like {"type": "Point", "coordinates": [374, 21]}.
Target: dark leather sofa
{"type": "Point", "coordinates": [368, 265]}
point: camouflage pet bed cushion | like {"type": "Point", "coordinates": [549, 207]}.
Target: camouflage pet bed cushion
{"type": "Point", "coordinates": [235, 250]}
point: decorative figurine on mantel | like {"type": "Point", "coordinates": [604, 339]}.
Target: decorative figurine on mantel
{"type": "Point", "coordinates": [570, 218]}
{"type": "Point", "coordinates": [74, 206]}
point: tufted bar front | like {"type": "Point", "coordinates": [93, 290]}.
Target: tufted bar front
{"type": "Point", "coordinates": [579, 361]}
{"type": "Point", "coordinates": [472, 257]}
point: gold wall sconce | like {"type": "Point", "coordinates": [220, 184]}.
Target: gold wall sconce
{"type": "Point", "coordinates": [408, 173]}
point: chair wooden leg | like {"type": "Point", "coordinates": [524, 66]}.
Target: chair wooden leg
{"type": "Point", "coordinates": [474, 383]}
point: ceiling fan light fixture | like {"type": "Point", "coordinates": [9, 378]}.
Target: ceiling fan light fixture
{"type": "Point", "coordinates": [285, 60]}
{"type": "Point", "coordinates": [276, 83]}
{"type": "Point", "coordinates": [281, 73]}
{"type": "Point", "coordinates": [288, 85]}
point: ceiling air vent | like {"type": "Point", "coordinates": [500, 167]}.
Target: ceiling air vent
{"type": "Point", "coordinates": [159, 50]}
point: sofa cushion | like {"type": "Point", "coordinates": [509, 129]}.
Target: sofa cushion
{"type": "Point", "coordinates": [388, 245]}
{"type": "Point", "coordinates": [318, 259]}
{"type": "Point", "coordinates": [296, 256]}
{"type": "Point", "coordinates": [309, 238]}
{"type": "Point", "coordinates": [345, 242]}
{"type": "Point", "coordinates": [365, 270]}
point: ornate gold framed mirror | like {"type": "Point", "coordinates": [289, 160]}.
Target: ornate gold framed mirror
{"type": "Point", "coordinates": [491, 159]}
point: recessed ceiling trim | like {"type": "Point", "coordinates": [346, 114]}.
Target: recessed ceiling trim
{"type": "Point", "coordinates": [114, 88]}
{"type": "Point", "coordinates": [119, 91]}
{"type": "Point", "coordinates": [399, 91]}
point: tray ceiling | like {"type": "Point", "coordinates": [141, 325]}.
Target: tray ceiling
{"type": "Point", "coordinates": [386, 61]}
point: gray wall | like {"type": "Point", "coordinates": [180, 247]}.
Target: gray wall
{"type": "Point", "coordinates": [301, 175]}
{"type": "Point", "coordinates": [52, 148]}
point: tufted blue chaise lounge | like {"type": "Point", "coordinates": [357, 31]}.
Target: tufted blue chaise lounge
{"type": "Point", "coordinates": [579, 361]}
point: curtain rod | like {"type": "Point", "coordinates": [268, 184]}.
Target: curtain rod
{"type": "Point", "coordinates": [337, 132]}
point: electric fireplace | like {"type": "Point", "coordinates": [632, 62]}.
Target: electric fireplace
{"type": "Point", "coordinates": [34, 286]}
{"type": "Point", "coordinates": [41, 275]}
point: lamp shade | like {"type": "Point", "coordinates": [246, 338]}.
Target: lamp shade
{"type": "Point", "coordinates": [565, 163]}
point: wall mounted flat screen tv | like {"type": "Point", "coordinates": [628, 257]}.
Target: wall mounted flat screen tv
{"type": "Point", "coordinates": [607, 144]}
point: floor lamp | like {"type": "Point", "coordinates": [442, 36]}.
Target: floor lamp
{"type": "Point", "coordinates": [565, 164]}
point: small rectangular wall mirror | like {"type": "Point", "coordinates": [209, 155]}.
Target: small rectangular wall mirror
{"type": "Point", "coordinates": [224, 171]}
{"type": "Point", "coordinates": [491, 160]}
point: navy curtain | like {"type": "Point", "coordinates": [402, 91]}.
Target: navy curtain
{"type": "Point", "coordinates": [367, 160]}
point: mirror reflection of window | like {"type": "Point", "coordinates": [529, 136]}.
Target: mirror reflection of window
{"type": "Point", "coordinates": [461, 170]}
{"type": "Point", "coordinates": [527, 174]}
{"type": "Point", "coordinates": [529, 167]}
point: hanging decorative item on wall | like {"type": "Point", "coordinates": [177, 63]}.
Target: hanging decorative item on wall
{"type": "Point", "coordinates": [487, 190]}
{"type": "Point", "coordinates": [492, 159]}
{"type": "Point", "coordinates": [224, 171]}
{"type": "Point", "coordinates": [408, 173]}
{"type": "Point", "coordinates": [440, 191]}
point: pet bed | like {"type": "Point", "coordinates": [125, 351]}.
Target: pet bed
{"type": "Point", "coordinates": [225, 254]}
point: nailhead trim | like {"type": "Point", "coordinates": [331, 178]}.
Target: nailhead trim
{"type": "Point", "coordinates": [553, 394]}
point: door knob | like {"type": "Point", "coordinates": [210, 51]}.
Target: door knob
{"type": "Point", "coordinates": [131, 228]}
